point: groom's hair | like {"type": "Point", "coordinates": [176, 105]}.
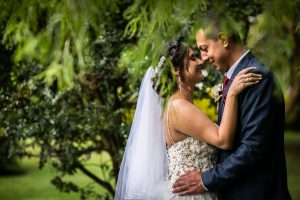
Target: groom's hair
{"type": "Point", "coordinates": [213, 24]}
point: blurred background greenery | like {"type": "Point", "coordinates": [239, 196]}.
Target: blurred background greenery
{"type": "Point", "coordinates": [70, 72]}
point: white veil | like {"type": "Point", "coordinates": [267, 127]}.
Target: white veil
{"type": "Point", "coordinates": [144, 166]}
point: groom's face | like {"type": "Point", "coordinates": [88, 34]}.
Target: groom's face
{"type": "Point", "coordinates": [213, 50]}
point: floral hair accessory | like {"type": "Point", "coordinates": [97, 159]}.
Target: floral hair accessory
{"type": "Point", "coordinates": [160, 63]}
{"type": "Point", "coordinates": [156, 72]}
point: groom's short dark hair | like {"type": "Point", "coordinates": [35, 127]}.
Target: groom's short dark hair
{"type": "Point", "coordinates": [213, 24]}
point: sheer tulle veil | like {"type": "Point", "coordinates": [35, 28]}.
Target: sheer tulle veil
{"type": "Point", "coordinates": [144, 167]}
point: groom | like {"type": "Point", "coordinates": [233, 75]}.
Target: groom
{"type": "Point", "coordinates": [255, 168]}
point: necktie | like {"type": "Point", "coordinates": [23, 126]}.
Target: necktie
{"type": "Point", "coordinates": [225, 81]}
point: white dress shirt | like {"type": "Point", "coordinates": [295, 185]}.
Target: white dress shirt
{"type": "Point", "coordinates": [232, 68]}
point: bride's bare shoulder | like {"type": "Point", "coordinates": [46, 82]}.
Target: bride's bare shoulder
{"type": "Point", "coordinates": [180, 104]}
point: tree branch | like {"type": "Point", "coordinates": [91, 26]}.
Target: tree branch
{"type": "Point", "coordinates": [104, 184]}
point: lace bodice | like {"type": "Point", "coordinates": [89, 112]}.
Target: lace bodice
{"type": "Point", "coordinates": [190, 154]}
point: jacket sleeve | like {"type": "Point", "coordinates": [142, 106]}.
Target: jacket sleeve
{"type": "Point", "coordinates": [255, 126]}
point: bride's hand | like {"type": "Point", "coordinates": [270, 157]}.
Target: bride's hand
{"type": "Point", "coordinates": [243, 80]}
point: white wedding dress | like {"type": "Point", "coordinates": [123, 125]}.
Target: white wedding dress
{"type": "Point", "coordinates": [148, 168]}
{"type": "Point", "coordinates": [188, 155]}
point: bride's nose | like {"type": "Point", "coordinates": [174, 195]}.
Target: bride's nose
{"type": "Point", "coordinates": [199, 62]}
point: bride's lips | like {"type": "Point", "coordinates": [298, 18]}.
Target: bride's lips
{"type": "Point", "coordinates": [200, 68]}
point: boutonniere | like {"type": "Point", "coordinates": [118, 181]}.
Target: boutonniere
{"type": "Point", "coordinates": [217, 92]}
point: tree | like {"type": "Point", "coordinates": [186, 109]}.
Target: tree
{"type": "Point", "coordinates": [63, 93]}
{"type": "Point", "coordinates": [8, 163]}
{"type": "Point", "coordinates": [277, 32]}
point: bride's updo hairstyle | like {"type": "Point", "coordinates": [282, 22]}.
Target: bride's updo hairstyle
{"type": "Point", "coordinates": [164, 83]}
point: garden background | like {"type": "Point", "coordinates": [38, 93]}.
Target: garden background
{"type": "Point", "coordinates": [70, 72]}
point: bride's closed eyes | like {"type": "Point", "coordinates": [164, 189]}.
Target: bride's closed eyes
{"type": "Point", "coordinates": [193, 57]}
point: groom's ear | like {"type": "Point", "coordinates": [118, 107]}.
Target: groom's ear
{"type": "Point", "coordinates": [223, 38]}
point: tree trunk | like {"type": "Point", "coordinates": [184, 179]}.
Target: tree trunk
{"type": "Point", "coordinates": [293, 98]}
{"type": "Point", "coordinates": [294, 90]}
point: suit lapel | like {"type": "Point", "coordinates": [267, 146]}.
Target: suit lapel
{"type": "Point", "coordinates": [242, 65]}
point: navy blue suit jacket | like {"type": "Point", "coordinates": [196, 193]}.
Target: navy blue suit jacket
{"type": "Point", "coordinates": [255, 167]}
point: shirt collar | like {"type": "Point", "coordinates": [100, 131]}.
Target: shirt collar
{"type": "Point", "coordinates": [232, 68]}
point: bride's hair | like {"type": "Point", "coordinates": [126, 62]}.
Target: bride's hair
{"type": "Point", "coordinates": [164, 83]}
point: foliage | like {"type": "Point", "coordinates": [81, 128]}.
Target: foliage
{"type": "Point", "coordinates": [55, 34]}
{"type": "Point", "coordinates": [70, 71]}
{"type": "Point", "coordinates": [169, 20]}
{"type": "Point", "coordinates": [206, 107]}
{"type": "Point", "coordinates": [279, 47]}
{"type": "Point", "coordinates": [63, 92]}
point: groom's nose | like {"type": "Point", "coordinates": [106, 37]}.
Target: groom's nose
{"type": "Point", "coordinates": [204, 56]}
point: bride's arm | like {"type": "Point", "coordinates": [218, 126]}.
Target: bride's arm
{"type": "Point", "coordinates": [191, 121]}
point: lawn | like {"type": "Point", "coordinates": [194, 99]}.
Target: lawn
{"type": "Point", "coordinates": [35, 184]}
{"type": "Point", "coordinates": [32, 185]}
{"type": "Point", "coordinates": [292, 145]}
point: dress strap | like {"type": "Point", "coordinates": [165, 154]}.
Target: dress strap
{"type": "Point", "coordinates": [169, 126]}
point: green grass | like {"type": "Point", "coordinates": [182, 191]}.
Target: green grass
{"type": "Point", "coordinates": [35, 184]}
{"type": "Point", "coordinates": [292, 147]}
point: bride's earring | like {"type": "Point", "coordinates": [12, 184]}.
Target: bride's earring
{"type": "Point", "coordinates": [179, 84]}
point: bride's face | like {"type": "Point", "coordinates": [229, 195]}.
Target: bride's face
{"type": "Point", "coordinates": [193, 68]}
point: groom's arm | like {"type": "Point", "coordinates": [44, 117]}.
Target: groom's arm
{"type": "Point", "coordinates": [256, 125]}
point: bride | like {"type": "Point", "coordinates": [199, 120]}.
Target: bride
{"type": "Point", "coordinates": [169, 134]}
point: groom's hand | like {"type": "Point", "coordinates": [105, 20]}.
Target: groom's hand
{"type": "Point", "coordinates": [189, 184]}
